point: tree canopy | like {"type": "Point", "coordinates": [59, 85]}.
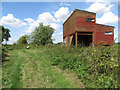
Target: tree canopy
{"type": "Point", "coordinates": [42, 34]}
{"type": "Point", "coordinates": [5, 33]}
{"type": "Point", "coordinates": [23, 39]}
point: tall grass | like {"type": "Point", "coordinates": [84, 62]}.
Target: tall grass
{"type": "Point", "coordinates": [31, 68]}
{"type": "Point", "coordinates": [0, 48]}
{"type": "Point", "coordinates": [96, 67]}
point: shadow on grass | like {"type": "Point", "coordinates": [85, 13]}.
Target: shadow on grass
{"type": "Point", "coordinates": [5, 57]}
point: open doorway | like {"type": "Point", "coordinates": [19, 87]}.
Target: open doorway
{"type": "Point", "coordinates": [84, 40]}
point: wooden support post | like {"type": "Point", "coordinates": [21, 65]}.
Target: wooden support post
{"type": "Point", "coordinates": [70, 40]}
{"type": "Point", "coordinates": [76, 39]}
{"type": "Point", "coordinates": [93, 39]}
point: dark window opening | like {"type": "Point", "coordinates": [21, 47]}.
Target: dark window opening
{"type": "Point", "coordinates": [90, 19]}
{"type": "Point", "coordinates": [108, 33]}
{"type": "Point", "coordinates": [84, 40]}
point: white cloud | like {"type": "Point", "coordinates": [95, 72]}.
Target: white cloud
{"type": "Point", "coordinates": [46, 17]}
{"type": "Point", "coordinates": [58, 39]}
{"type": "Point", "coordinates": [55, 26]}
{"type": "Point", "coordinates": [101, 0]}
{"type": "Point", "coordinates": [65, 4]}
{"type": "Point", "coordinates": [32, 26]}
{"type": "Point", "coordinates": [12, 21]}
{"type": "Point", "coordinates": [0, 22]}
{"type": "Point", "coordinates": [22, 35]}
{"type": "Point", "coordinates": [100, 7]}
{"type": "Point", "coordinates": [29, 20]}
{"type": "Point", "coordinates": [62, 14]}
{"type": "Point", "coordinates": [116, 36]}
{"type": "Point", "coordinates": [69, 14]}
{"type": "Point", "coordinates": [10, 39]}
{"type": "Point", "coordinates": [60, 33]}
{"type": "Point", "coordinates": [107, 18]}
{"type": "Point", "coordinates": [119, 36]}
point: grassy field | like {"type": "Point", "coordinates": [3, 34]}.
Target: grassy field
{"type": "Point", "coordinates": [53, 66]}
{"type": "Point", "coordinates": [32, 69]}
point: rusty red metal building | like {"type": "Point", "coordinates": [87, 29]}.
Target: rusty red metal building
{"type": "Point", "coordinates": [81, 28]}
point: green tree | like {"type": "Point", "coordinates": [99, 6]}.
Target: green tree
{"type": "Point", "coordinates": [42, 34]}
{"type": "Point", "coordinates": [0, 35]}
{"type": "Point", "coordinates": [23, 39]}
{"type": "Point", "coordinates": [5, 34]}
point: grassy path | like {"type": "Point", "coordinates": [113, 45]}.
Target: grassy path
{"type": "Point", "coordinates": [32, 69]}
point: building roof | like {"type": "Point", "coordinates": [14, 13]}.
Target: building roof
{"type": "Point", "coordinates": [84, 11]}
{"type": "Point", "coordinates": [105, 25]}
{"type": "Point", "coordinates": [74, 12]}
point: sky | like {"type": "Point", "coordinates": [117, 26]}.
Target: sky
{"type": "Point", "coordinates": [23, 17]}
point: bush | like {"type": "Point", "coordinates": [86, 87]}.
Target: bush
{"type": "Point", "coordinates": [96, 67]}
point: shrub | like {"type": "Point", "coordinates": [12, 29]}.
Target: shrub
{"type": "Point", "coordinates": [96, 67]}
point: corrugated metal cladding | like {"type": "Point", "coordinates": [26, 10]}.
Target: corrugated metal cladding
{"type": "Point", "coordinates": [81, 28]}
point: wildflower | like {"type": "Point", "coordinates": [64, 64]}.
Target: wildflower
{"type": "Point", "coordinates": [112, 58]}
{"type": "Point", "coordinates": [95, 50]}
